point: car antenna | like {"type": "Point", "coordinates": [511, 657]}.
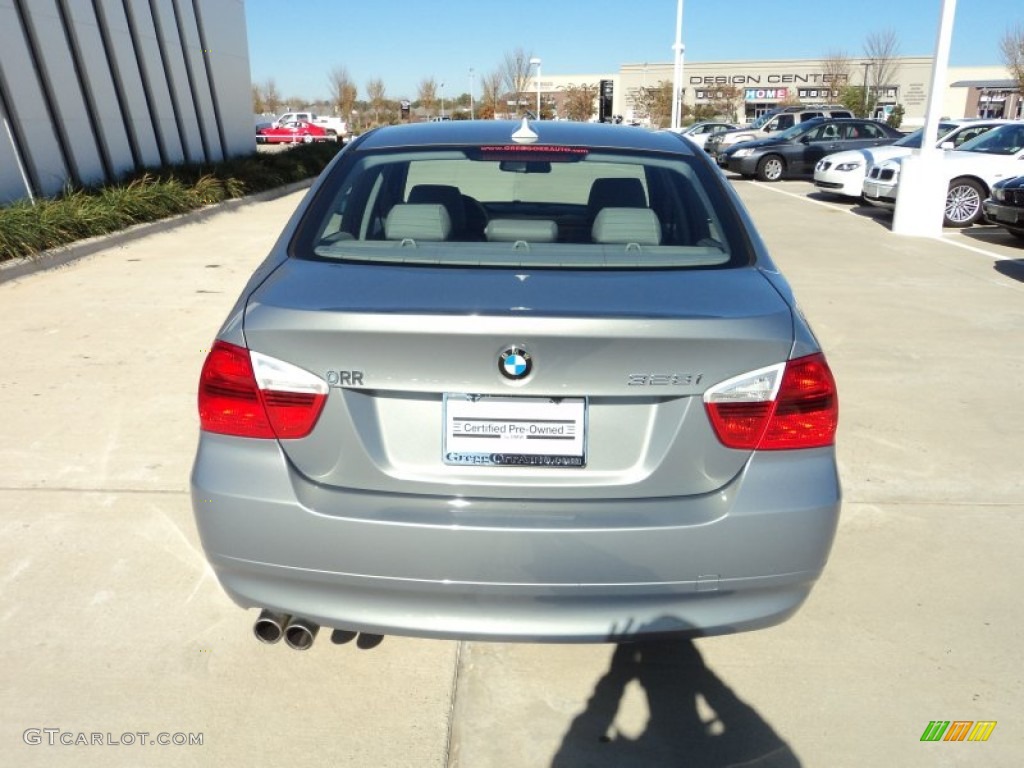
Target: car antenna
{"type": "Point", "coordinates": [524, 134]}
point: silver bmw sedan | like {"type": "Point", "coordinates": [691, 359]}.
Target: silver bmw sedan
{"type": "Point", "coordinates": [527, 381]}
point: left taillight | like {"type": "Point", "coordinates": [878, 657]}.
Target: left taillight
{"type": "Point", "coordinates": [785, 406]}
{"type": "Point", "coordinates": [249, 394]}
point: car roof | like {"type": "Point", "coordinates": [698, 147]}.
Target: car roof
{"type": "Point", "coordinates": [549, 132]}
{"type": "Point", "coordinates": [820, 120]}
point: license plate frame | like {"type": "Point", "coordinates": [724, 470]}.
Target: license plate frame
{"type": "Point", "coordinates": [515, 431]}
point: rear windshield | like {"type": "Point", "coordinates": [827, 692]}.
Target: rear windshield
{"type": "Point", "coordinates": [511, 206]}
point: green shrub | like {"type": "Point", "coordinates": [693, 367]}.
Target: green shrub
{"type": "Point", "coordinates": [150, 195]}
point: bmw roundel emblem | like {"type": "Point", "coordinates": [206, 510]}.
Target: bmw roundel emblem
{"type": "Point", "coordinates": [515, 363]}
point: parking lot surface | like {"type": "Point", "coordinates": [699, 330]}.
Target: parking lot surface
{"type": "Point", "coordinates": [113, 625]}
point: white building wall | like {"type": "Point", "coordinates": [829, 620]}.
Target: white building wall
{"type": "Point", "coordinates": [92, 89]}
{"type": "Point", "coordinates": [955, 102]}
{"type": "Point", "coordinates": [778, 79]}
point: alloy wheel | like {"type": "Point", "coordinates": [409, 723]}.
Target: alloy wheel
{"type": "Point", "coordinates": [770, 168]}
{"type": "Point", "coordinates": [963, 203]}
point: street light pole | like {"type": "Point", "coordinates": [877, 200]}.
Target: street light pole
{"type": "Point", "coordinates": [442, 98]}
{"type": "Point", "coordinates": [867, 65]}
{"type": "Point", "coordinates": [472, 109]}
{"type": "Point", "coordinates": [537, 62]}
{"type": "Point", "coordinates": [677, 71]}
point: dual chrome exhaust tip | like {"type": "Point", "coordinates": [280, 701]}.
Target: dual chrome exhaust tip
{"type": "Point", "coordinates": [299, 633]}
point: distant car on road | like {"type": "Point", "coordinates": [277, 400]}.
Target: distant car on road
{"type": "Point", "coordinates": [510, 380]}
{"type": "Point", "coordinates": [794, 152]}
{"type": "Point", "coordinates": [293, 132]}
{"type": "Point", "coordinates": [970, 172]}
{"type": "Point", "coordinates": [843, 173]}
{"type": "Point", "coordinates": [1006, 206]}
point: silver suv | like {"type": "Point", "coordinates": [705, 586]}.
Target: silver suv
{"type": "Point", "coordinates": [769, 123]}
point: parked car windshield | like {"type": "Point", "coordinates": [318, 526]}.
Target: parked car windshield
{"type": "Point", "coordinates": [511, 206]}
{"type": "Point", "coordinates": [913, 140]}
{"type": "Point", "coordinates": [797, 130]}
{"type": "Point", "coordinates": [763, 119]}
{"type": "Point", "coordinates": [1004, 140]}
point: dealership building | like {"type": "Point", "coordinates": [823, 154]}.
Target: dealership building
{"type": "Point", "coordinates": [93, 89]}
{"type": "Point", "coordinates": [759, 86]}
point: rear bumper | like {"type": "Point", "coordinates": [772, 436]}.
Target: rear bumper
{"type": "Point", "coordinates": [530, 570]}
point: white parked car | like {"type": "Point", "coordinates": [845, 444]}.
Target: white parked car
{"type": "Point", "coordinates": [970, 172]}
{"type": "Point", "coordinates": [699, 133]}
{"type": "Point", "coordinates": [843, 173]}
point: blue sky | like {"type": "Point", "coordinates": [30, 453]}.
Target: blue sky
{"type": "Point", "coordinates": [403, 41]}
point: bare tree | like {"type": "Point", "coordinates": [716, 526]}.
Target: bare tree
{"type": "Point", "coordinates": [728, 102]}
{"type": "Point", "coordinates": [835, 70]}
{"type": "Point", "coordinates": [791, 99]}
{"type": "Point", "coordinates": [259, 105]}
{"type": "Point", "coordinates": [579, 101]}
{"type": "Point", "coordinates": [343, 91]}
{"type": "Point", "coordinates": [376, 94]}
{"type": "Point", "coordinates": [427, 93]}
{"type": "Point", "coordinates": [882, 50]}
{"type": "Point", "coordinates": [515, 72]}
{"type": "Point", "coordinates": [271, 96]}
{"type": "Point", "coordinates": [1012, 47]}
{"type": "Point", "coordinates": [490, 95]}
{"type": "Point", "coordinates": [656, 102]}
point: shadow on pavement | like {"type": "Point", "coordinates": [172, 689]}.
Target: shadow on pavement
{"type": "Point", "coordinates": [989, 234]}
{"type": "Point", "coordinates": [1011, 268]}
{"type": "Point", "coordinates": [836, 200]}
{"type": "Point", "coordinates": [674, 677]}
{"type": "Point", "coordinates": [881, 216]}
{"type": "Point", "coordinates": [858, 207]}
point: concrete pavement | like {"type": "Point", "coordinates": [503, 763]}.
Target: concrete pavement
{"type": "Point", "coordinates": [112, 623]}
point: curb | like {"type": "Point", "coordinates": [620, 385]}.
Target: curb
{"type": "Point", "coordinates": [58, 257]}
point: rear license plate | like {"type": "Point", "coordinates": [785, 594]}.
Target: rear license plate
{"type": "Point", "coordinates": [515, 431]}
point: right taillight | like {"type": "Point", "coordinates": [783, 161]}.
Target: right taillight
{"type": "Point", "coordinates": [249, 394]}
{"type": "Point", "coordinates": [784, 406]}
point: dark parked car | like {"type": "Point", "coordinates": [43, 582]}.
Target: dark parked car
{"type": "Point", "coordinates": [1006, 205]}
{"type": "Point", "coordinates": [771, 123]}
{"type": "Point", "coordinates": [795, 151]}
{"type": "Point", "coordinates": [511, 381]}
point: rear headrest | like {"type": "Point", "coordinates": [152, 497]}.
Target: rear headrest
{"type": "Point", "coordinates": [417, 222]}
{"type": "Point", "coordinates": [446, 195]}
{"type": "Point", "coordinates": [627, 225]}
{"type": "Point", "coordinates": [513, 230]}
{"type": "Point", "coordinates": [616, 193]}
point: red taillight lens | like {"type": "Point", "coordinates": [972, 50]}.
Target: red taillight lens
{"type": "Point", "coordinates": [807, 408]}
{"type": "Point", "coordinates": [777, 408]}
{"type": "Point", "coordinates": [251, 395]}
